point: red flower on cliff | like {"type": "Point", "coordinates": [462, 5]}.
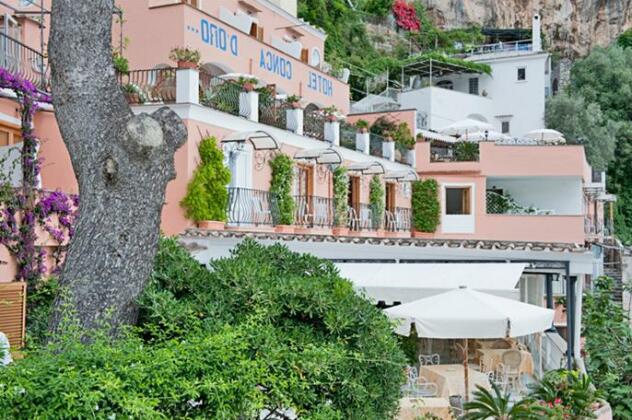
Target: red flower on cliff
{"type": "Point", "coordinates": [406, 16]}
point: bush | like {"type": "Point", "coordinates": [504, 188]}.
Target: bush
{"type": "Point", "coordinates": [341, 193]}
{"type": "Point", "coordinates": [570, 390]}
{"type": "Point", "coordinates": [376, 199]}
{"type": "Point", "coordinates": [281, 188]}
{"type": "Point", "coordinates": [466, 151]}
{"type": "Point", "coordinates": [425, 205]}
{"type": "Point", "coordinates": [207, 196]}
{"type": "Point", "coordinates": [39, 303]}
{"type": "Point", "coordinates": [264, 329]}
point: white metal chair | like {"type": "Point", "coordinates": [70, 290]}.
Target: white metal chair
{"type": "Point", "coordinates": [418, 386]}
{"type": "Point", "coordinates": [365, 218]}
{"type": "Point", "coordinates": [352, 219]}
{"type": "Point", "coordinates": [260, 213]}
{"type": "Point", "coordinates": [429, 359]}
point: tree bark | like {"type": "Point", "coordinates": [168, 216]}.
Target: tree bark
{"type": "Point", "coordinates": [122, 162]}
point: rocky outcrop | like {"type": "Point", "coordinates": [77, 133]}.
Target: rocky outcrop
{"type": "Point", "coordinates": [571, 27]}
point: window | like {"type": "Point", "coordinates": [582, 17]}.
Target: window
{"type": "Point", "coordinates": [304, 180]}
{"type": "Point", "coordinates": [522, 73]}
{"type": "Point", "coordinates": [504, 127]}
{"type": "Point", "coordinates": [457, 200]}
{"type": "Point", "coordinates": [474, 86]}
{"type": "Point", "coordinates": [9, 136]}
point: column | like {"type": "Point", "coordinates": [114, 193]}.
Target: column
{"type": "Point", "coordinates": [187, 86]}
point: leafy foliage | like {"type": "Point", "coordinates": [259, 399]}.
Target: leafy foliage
{"type": "Point", "coordinates": [281, 187]}
{"type": "Point", "coordinates": [625, 39]}
{"type": "Point", "coordinates": [264, 329]}
{"type": "Point", "coordinates": [583, 123]}
{"type": "Point", "coordinates": [341, 192]}
{"type": "Point", "coordinates": [497, 405]}
{"type": "Point", "coordinates": [376, 199]}
{"type": "Point", "coordinates": [425, 205]}
{"type": "Point", "coordinates": [406, 15]}
{"type": "Point", "coordinates": [608, 335]}
{"type": "Point", "coordinates": [466, 151]}
{"type": "Point", "coordinates": [207, 196]}
{"type": "Point", "coordinates": [570, 390]}
{"type": "Point", "coordinates": [38, 311]}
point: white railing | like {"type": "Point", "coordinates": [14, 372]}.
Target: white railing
{"type": "Point", "coordinates": [498, 48]}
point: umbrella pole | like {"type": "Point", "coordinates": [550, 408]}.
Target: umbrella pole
{"type": "Point", "coordinates": [466, 372]}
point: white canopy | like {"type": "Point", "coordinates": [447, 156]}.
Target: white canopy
{"type": "Point", "coordinates": [367, 168]}
{"type": "Point", "coordinates": [431, 135]}
{"type": "Point", "coordinates": [488, 135]}
{"type": "Point", "coordinates": [464, 126]}
{"type": "Point", "coordinates": [546, 135]}
{"type": "Point", "coordinates": [260, 140]}
{"type": "Point", "coordinates": [401, 176]}
{"type": "Point", "coordinates": [467, 313]}
{"type": "Point", "coordinates": [320, 156]}
{"type": "Point", "coordinates": [409, 282]}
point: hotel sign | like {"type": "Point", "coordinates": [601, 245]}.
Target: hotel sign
{"type": "Point", "coordinates": [226, 40]}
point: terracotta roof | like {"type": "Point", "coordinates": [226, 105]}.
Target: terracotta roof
{"type": "Point", "coordinates": [417, 242]}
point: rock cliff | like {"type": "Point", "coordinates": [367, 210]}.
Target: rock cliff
{"type": "Point", "coordinates": [571, 27]}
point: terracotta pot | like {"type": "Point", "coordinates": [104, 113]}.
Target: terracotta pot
{"type": "Point", "coordinates": [331, 118]}
{"type": "Point", "coordinates": [295, 105]}
{"type": "Point", "coordinates": [340, 231]}
{"type": "Point", "coordinates": [132, 98]}
{"type": "Point", "coordinates": [185, 64]}
{"type": "Point", "coordinates": [363, 130]}
{"type": "Point", "coordinates": [248, 87]}
{"type": "Point", "coordinates": [284, 229]}
{"type": "Point", "coordinates": [422, 235]}
{"type": "Point", "coordinates": [211, 225]}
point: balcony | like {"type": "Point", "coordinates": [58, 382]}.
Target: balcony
{"type": "Point", "coordinates": [251, 208]}
{"type": "Point", "coordinates": [24, 62]}
{"type": "Point", "coordinates": [524, 46]}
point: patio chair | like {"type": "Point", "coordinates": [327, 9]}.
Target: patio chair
{"type": "Point", "coordinates": [390, 221]}
{"type": "Point", "coordinates": [429, 359]}
{"type": "Point", "coordinates": [511, 362]}
{"type": "Point", "coordinates": [321, 213]}
{"type": "Point", "coordinates": [260, 213]}
{"type": "Point", "coordinates": [365, 218]}
{"type": "Point", "coordinates": [302, 213]}
{"type": "Point", "coordinates": [352, 219]}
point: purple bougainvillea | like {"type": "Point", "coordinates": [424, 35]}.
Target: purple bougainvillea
{"type": "Point", "coordinates": [23, 209]}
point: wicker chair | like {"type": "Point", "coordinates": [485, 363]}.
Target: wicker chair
{"type": "Point", "coordinates": [429, 359]}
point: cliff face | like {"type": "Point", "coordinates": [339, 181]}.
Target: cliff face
{"type": "Point", "coordinates": [571, 27]}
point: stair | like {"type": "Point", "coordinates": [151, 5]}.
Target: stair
{"type": "Point", "coordinates": [613, 268]}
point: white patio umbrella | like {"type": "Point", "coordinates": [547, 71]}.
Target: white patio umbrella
{"type": "Point", "coordinates": [466, 313]}
{"type": "Point", "coordinates": [463, 127]}
{"type": "Point", "coordinates": [546, 135]}
{"type": "Point", "coordinates": [488, 135]}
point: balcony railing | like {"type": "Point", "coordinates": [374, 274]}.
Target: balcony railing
{"type": "Point", "coordinates": [348, 135]}
{"type": "Point", "coordinates": [498, 47]}
{"type": "Point", "coordinates": [23, 61]}
{"type": "Point", "coordinates": [314, 124]}
{"type": "Point", "coordinates": [250, 207]}
{"type": "Point", "coordinates": [361, 217]}
{"type": "Point", "coordinates": [149, 86]}
{"type": "Point", "coordinates": [313, 211]}
{"type": "Point", "coordinates": [504, 204]}
{"type": "Point", "coordinates": [398, 219]}
{"type": "Point", "coordinates": [220, 94]}
{"type": "Point", "coordinates": [273, 112]}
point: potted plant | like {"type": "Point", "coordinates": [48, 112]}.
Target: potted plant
{"type": "Point", "coordinates": [248, 84]}
{"type": "Point", "coordinates": [133, 93]}
{"type": "Point", "coordinates": [206, 199]}
{"type": "Point", "coordinates": [362, 126]}
{"type": "Point", "coordinates": [294, 101]}
{"type": "Point", "coordinates": [282, 168]}
{"type": "Point", "coordinates": [331, 113]}
{"type": "Point", "coordinates": [185, 57]}
{"type": "Point", "coordinates": [341, 195]}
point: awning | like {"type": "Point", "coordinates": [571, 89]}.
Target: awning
{"type": "Point", "coordinates": [259, 139]}
{"type": "Point", "coordinates": [367, 168]}
{"type": "Point", "coordinates": [409, 282]}
{"type": "Point", "coordinates": [431, 135]}
{"type": "Point", "coordinates": [327, 156]}
{"type": "Point", "coordinates": [401, 176]}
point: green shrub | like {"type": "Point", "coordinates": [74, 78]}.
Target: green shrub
{"type": "Point", "coordinates": [466, 151]}
{"type": "Point", "coordinates": [207, 195]}
{"type": "Point", "coordinates": [264, 329]}
{"type": "Point", "coordinates": [341, 194]}
{"type": "Point", "coordinates": [39, 303]}
{"type": "Point", "coordinates": [425, 205]}
{"type": "Point", "coordinates": [376, 199]}
{"type": "Point", "coordinates": [281, 188]}
{"type": "Point", "coordinates": [569, 389]}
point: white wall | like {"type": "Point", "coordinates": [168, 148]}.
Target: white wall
{"type": "Point", "coordinates": [458, 223]}
{"type": "Point", "coordinates": [564, 195]}
{"type": "Point", "coordinates": [521, 101]}
{"type": "Point", "coordinates": [444, 106]}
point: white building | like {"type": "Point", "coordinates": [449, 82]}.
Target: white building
{"type": "Point", "coordinates": [511, 98]}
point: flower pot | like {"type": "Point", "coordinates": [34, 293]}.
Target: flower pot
{"type": "Point", "coordinates": [284, 229]}
{"type": "Point", "coordinates": [132, 98]}
{"type": "Point", "coordinates": [211, 225]}
{"type": "Point", "coordinates": [295, 105]}
{"type": "Point", "coordinates": [422, 235]}
{"type": "Point", "coordinates": [185, 64]}
{"type": "Point", "coordinates": [248, 87]}
{"type": "Point", "coordinates": [340, 231]}
{"type": "Point", "coordinates": [331, 118]}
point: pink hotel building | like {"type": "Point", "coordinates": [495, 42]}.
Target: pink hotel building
{"type": "Point", "coordinates": [555, 229]}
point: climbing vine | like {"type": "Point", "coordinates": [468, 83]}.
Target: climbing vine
{"type": "Point", "coordinates": [341, 193]}
{"type": "Point", "coordinates": [25, 208]}
{"type": "Point", "coordinates": [281, 188]}
{"type": "Point", "coordinates": [425, 205]}
{"type": "Point", "coordinates": [376, 199]}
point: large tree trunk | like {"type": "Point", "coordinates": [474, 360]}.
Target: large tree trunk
{"type": "Point", "coordinates": [122, 163]}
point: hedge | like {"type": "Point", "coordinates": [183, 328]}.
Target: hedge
{"type": "Point", "coordinates": [425, 205]}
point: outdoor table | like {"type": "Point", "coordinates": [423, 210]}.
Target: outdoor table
{"type": "Point", "coordinates": [449, 379]}
{"type": "Point", "coordinates": [491, 358]}
{"type": "Point", "coordinates": [413, 408]}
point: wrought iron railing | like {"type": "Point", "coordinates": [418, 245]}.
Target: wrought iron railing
{"type": "Point", "coordinates": [220, 94]}
{"type": "Point", "coordinates": [314, 124]}
{"type": "Point", "coordinates": [348, 136]}
{"type": "Point", "coordinates": [313, 211]}
{"type": "Point", "coordinates": [23, 61]}
{"type": "Point", "coordinates": [361, 217]}
{"type": "Point", "coordinates": [273, 112]}
{"type": "Point", "coordinates": [149, 86]}
{"type": "Point", "coordinates": [250, 207]}
{"type": "Point", "coordinates": [398, 219]}
{"type": "Point", "coordinates": [375, 144]}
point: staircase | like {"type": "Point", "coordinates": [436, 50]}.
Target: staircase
{"type": "Point", "coordinates": [613, 268]}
